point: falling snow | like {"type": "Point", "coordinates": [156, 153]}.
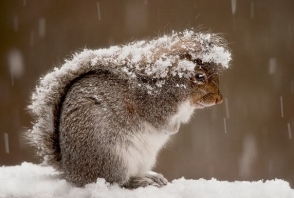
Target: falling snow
{"type": "Point", "coordinates": [252, 10]}
{"type": "Point", "coordinates": [42, 27]}
{"type": "Point", "coordinates": [290, 31]}
{"type": "Point", "coordinates": [227, 107]}
{"type": "Point", "coordinates": [15, 64]}
{"type": "Point", "coordinates": [272, 66]}
{"type": "Point", "coordinates": [248, 157]}
{"type": "Point", "coordinates": [98, 11]}
{"type": "Point", "coordinates": [225, 125]}
{"type": "Point", "coordinates": [6, 142]}
{"type": "Point", "coordinates": [15, 23]}
{"type": "Point", "coordinates": [282, 106]}
{"type": "Point", "coordinates": [234, 6]}
{"type": "Point", "coordinates": [32, 38]}
{"type": "Point", "coordinates": [289, 130]}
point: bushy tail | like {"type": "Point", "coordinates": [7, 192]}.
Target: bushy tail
{"type": "Point", "coordinates": [46, 104]}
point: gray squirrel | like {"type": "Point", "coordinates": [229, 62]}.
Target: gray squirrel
{"type": "Point", "coordinates": [106, 113]}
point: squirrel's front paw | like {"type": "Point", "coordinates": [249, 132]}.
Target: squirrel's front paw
{"type": "Point", "coordinates": [157, 178]}
{"type": "Point", "coordinates": [150, 179]}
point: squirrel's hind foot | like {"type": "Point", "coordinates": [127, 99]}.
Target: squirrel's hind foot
{"type": "Point", "coordinates": [150, 179]}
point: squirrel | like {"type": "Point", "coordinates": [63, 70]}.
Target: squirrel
{"type": "Point", "coordinates": [107, 113]}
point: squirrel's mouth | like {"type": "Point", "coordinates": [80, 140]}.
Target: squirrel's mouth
{"type": "Point", "coordinates": [200, 105]}
{"type": "Point", "coordinates": [208, 100]}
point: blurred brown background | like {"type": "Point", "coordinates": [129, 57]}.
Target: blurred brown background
{"type": "Point", "coordinates": [250, 136]}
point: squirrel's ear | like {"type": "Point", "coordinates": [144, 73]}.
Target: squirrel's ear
{"type": "Point", "coordinates": [186, 56]}
{"type": "Point", "coordinates": [198, 61]}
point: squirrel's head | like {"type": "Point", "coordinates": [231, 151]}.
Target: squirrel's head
{"type": "Point", "coordinates": [205, 87]}
{"type": "Point", "coordinates": [190, 61]}
{"type": "Point", "coordinates": [204, 84]}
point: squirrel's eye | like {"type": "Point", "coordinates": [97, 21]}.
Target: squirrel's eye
{"type": "Point", "coordinates": [200, 77]}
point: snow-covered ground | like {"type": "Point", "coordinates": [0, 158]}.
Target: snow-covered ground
{"type": "Point", "coordinates": [30, 180]}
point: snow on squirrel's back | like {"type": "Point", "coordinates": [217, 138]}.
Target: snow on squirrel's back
{"type": "Point", "coordinates": [30, 180]}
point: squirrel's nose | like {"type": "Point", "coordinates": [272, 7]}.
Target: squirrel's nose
{"type": "Point", "coordinates": [219, 99]}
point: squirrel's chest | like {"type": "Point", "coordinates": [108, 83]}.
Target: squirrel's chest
{"type": "Point", "coordinates": [139, 154]}
{"type": "Point", "coordinates": [140, 150]}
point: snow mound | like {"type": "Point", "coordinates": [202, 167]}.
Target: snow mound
{"type": "Point", "coordinates": [30, 180]}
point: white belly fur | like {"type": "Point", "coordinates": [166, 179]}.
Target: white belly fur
{"type": "Point", "coordinates": [140, 155]}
